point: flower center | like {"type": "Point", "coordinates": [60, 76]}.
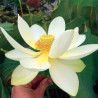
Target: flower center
{"type": "Point", "coordinates": [45, 42]}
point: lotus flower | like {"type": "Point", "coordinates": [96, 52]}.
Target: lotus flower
{"type": "Point", "coordinates": [32, 3]}
{"type": "Point", "coordinates": [59, 52]}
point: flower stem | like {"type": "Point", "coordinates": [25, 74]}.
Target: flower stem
{"type": "Point", "coordinates": [44, 21]}
{"type": "Point", "coordinates": [91, 12]}
{"type": "Point", "coordinates": [30, 15]}
{"type": "Point", "coordinates": [21, 9]}
{"type": "Point", "coordinates": [56, 92]}
{"type": "Point", "coordinates": [45, 25]}
{"type": "Point", "coordinates": [91, 17]}
{"type": "Point", "coordinates": [48, 94]}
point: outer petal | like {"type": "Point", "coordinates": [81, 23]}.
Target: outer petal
{"type": "Point", "coordinates": [61, 44]}
{"type": "Point", "coordinates": [64, 77]}
{"type": "Point", "coordinates": [25, 32]}
{"type": "Point", "coordinates": [16, 55]}
{"type": "Point", "coordinates": [76, 65]}
{"type": "Point", "coordinates": [75, 37]}
{"type": "Point", "coordinates": [22, 76]}
{"type": "Point", "coordinates": [80, 52]}
{"type": "Point", "coordinates": [57, 26]}
{"type": "Point", "coordinates": [37, 31]}
{"type": "Point", "coordinates": [80, 40]}
{"type": "Point", "coordinates": [38, 63]}
{"type": "Point", "coordinates": [17, 46]}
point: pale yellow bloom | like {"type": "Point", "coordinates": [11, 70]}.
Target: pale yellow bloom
{"type": "Point", "coordinates": [59, 52]}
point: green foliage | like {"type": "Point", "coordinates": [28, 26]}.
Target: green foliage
{"type": "Point", "coordinates": [16, 2]}
{"type": "Point", "coordinates": [64, 9]}
{"type": "Point", "coordinates": [2, 8]}
{"type": "Point", "coordinates": [2, 57]}
{"type": "Point", "coordinates": [7, 68]}
{"type": "Point", "coordinates": [85, 2]}
{"type": "Point", "coordinates": [4, 93]}
{"type": "Point", "coordinates": [77, 22]}
{"type": "Point", "coordinates": [88, 76]}
{"type": "Point", "coordinates": [7, 26]}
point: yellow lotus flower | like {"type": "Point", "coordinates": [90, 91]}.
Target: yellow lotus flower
{"type": "Point", "coordinates": [59, 52]}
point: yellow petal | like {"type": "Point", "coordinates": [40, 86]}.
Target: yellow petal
{"type": "Point", "coordinates": [37, 63]}
{"type": "Point", "coordinates": [22, 76]}
{"type": "Point", "coordinates": [64, 77]}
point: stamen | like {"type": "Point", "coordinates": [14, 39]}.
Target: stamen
{"type": "Point", "coordinates": [45, 42]}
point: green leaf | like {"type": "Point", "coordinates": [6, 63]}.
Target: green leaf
{"type": "Point", "coordinates": [77, 22]}
{"type": "Point", "coordinates": [1, 8]}
{"type": "Point", "coordinates": [88, 76]}
{"type": "Point", "coordinates": [85, 2]}
{"type": "Point", "coordinates": [45, 97]}
{"type": "Point", "coordinates": [7, 26]}
{"type": "Point", "coordinates": [2, 92]}
{"type": "Point", "coordinates": [7, 68]}
{"type": "Point", "coordinates": [16, 2]}
{"type": "Point", "coordinates": [2, 57]}
{"type": "Point", "coordinates": [64, 9]}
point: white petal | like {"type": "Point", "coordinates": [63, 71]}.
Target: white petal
{"type": "Point", "coordinates": [80, 40]}
{"type": "Point", "coordinates": [25, 32]}
{"type": "Point", "coordinates": [57, 26]}
{"type": "Point", "coordinates": [75, 37]}
{"type": "Point", "coordinates": [16, 55]}
{"type": "Point", "coordinates": [80, 52]}
{"type": "Point", "coordinates": [38, 63]}
{"type": "Point", "coordinates": [17, 46]}
{"type": "Point", "coordinates": [76, 65]}
{"type": "Point", "coordinates": [37, 31]}
{"type": "Point", "coordinates": [22, 76]}
{"type": "Point", "coordinates": [61, 44]}
{"type": "Point", "coordinates": [64, 77]}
